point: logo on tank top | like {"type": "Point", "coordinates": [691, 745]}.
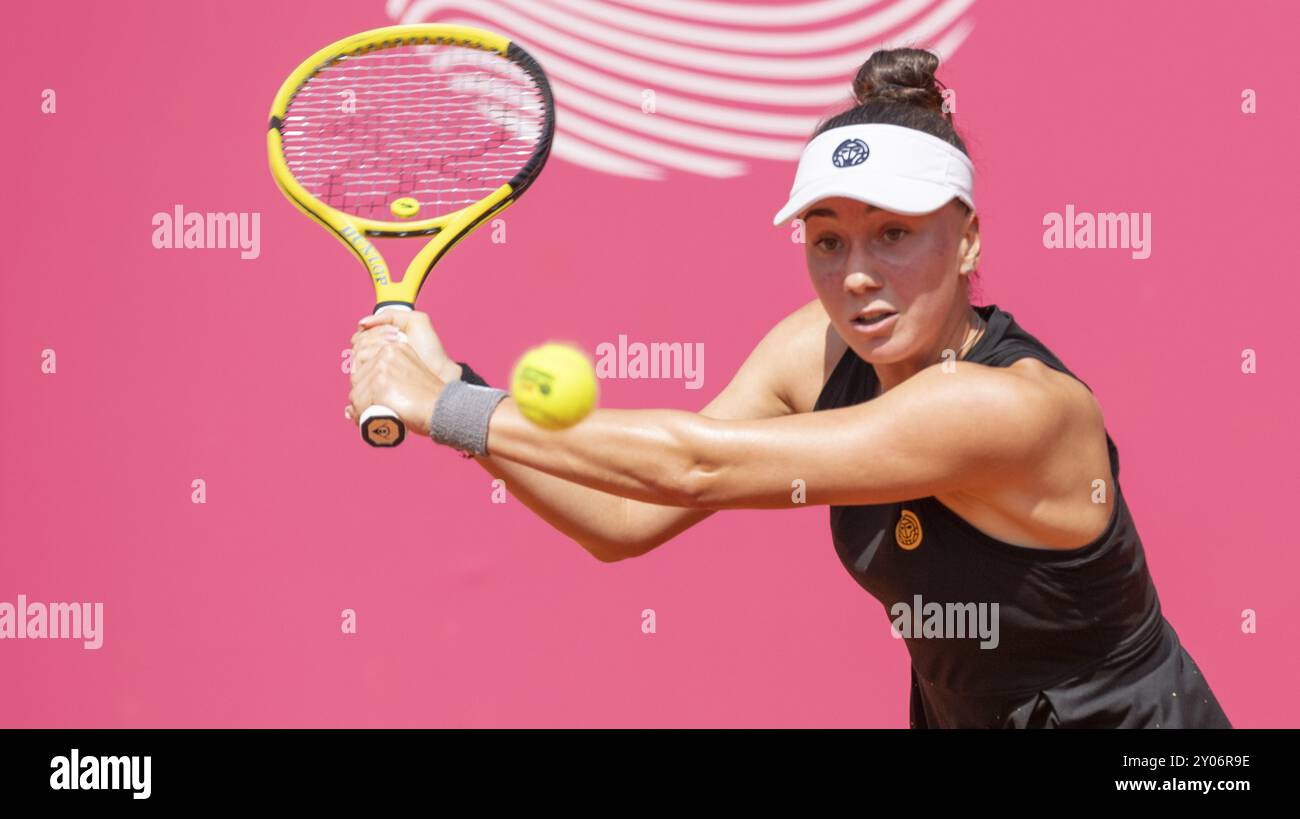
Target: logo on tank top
{"type": "Point", "coordinates": [908, 531]}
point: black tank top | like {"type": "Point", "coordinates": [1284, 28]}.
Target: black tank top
{"type": "Point", "coordinates": [1080, 636]}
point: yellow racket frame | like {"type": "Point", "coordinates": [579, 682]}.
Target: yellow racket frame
{"type": "Point", "coordinates": [380, 426]}
{"type": "Point", "coordinates": [352, 231]}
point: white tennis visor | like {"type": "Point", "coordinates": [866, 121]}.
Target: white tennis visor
{"type": "Point", "coordinates": [891, 167]}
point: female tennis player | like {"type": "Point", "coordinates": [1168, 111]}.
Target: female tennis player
{"type": "Point", "coordinates": [962, 462]}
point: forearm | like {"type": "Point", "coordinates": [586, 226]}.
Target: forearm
{"type": "Point", "coordinates": [639, 454]}
{"type": "Point", "coordinates": [608, 526]}
{"type": "Point", "coordinates": [596, 521]}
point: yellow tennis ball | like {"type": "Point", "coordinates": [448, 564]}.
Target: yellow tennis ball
{"type": "Point", "coordinates": [554, 385]}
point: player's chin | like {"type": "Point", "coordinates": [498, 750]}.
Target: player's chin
{"type": "Point", "coordinates": [891, 350]}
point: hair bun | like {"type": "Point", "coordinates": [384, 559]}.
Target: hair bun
{"type": "Point", "coordinates": [903, 75]}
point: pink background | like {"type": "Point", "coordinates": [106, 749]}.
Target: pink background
{"type": "Point", "coordinates": [175, 365]}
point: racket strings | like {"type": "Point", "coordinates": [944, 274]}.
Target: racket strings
{"type": "Point", "coordinates": [443, 124]}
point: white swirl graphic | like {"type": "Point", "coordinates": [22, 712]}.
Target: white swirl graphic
{"type": "Point", "coordinates": [645, 87]}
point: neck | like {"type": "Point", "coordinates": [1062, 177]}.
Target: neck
{"type": "Point", "coordinates": [960, 333]}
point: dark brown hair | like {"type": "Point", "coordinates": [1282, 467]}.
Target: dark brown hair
{"type": "Point", "coordinates": [898, 87]}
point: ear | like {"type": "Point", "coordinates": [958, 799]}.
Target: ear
{"type": "Point", "coordinates": [969, 248]}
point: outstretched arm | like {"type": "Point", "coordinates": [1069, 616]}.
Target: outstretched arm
{"type": "Point", "coordinates": [609, 526]}
{"type": "Point", "coordinates": [936, 432]}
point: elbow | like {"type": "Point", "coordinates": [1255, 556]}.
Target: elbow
{"type": "Point", "coordinates": [616, 552]}
{"type": "Point", "coordinates": [691, 479]}
{"type": "Point", "coordinates": [698, 483]}
{"type": "Point", "coordinates": [692, 489]}
{"type": "Point", "coordinates": [605, 553]}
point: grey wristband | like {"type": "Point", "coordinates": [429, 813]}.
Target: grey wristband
{"type": "Point", "coordinates": [461, 416]}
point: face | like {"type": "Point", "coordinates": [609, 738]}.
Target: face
{"type": "Point", "coordinates": [908, 269]}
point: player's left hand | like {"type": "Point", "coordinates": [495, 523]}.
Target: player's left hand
{"type": "Point", "coordinates": [411, 326]}
{"type": "Point", "coordinates": [395, 376]}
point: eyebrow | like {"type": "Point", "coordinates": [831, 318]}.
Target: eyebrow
{"type": "Point", "coordinates": [830, 212]}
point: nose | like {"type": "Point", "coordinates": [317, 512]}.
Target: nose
{"type": "Point", "coordinates": [858, 283]}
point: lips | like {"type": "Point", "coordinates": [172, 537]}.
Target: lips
{"type": "Point", "coordinates": [868, 318]}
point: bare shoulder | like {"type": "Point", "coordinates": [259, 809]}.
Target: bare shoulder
{"type": "Point", "coordinates": [1080, 445]}
{"type": "Point", "coordinates": [1060, 392]}
{"type": "Point", "coordinates": [786, 369]}
{"type": "Point", "coordinates": [1043, 404]}
{"type": "Point", "coordinates": [1015, 416]}
{"type": "Point", "coordinates": [779, 371]}
{"type": "Point", "coordinates": [1047, 429]}
{"type": "Point", "coordinates": [811, 349]}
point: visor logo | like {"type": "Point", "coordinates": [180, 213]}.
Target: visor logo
{"type": "Point", "coordinates": [849, 153]}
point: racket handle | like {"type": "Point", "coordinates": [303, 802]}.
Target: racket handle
{"type": "Point", "coordinates": [380, 426]}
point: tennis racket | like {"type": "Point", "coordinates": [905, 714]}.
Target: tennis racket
{"type": "Point", "coordinates": [418, 130]}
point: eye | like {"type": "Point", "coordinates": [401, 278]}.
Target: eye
{"type": "Point", "coordinates": [899, 233]}
{"type": "Point", "coordinates": [828, 243]}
